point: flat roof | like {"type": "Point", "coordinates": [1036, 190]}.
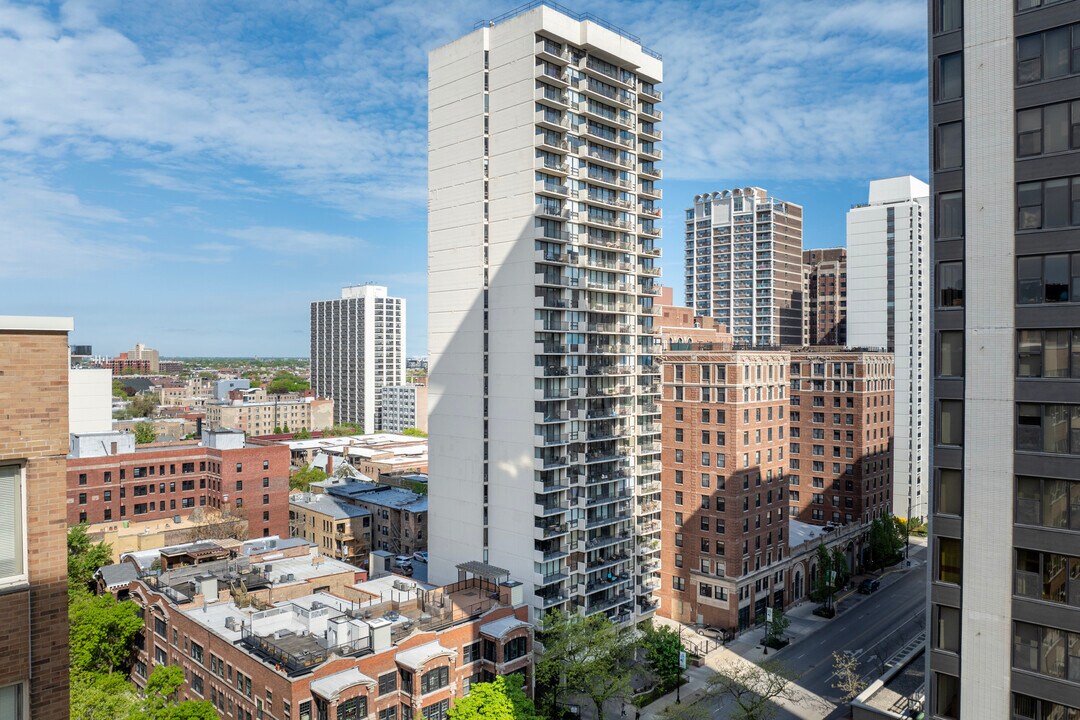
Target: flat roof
{"type": "Point", "coordinates": [328, 505]}
{"type": "Point", "coordinates": [36, 323]}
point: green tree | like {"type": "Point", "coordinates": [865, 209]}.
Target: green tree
{"type": "Point", "coordinates": [277, 429]}
{"type": "Point", "coordinates": [502, 699]}
{"type": "Point", "coordinates": [754, 689]}
{"type": "Point", "coordinates": [302, 434]}
{"type": "Point", "coordinates": [285, 428]}
{"type": "Point", "coordinates": [145, 433]}
{"type": "Point", "coordinates": [84, 558]}
{"type": "Point", "coordinates": [588, 655]}
{"type": "Point", "coordinates": [340, 429]}
{"type": "Point", "coordinates": [848, 679]}
{"type": "Point", "coordinates": [839, 568]}
{"type": "Point", "coordinates": [159, 701]}
{"type": "Point", "coordinates": [774, 630]}
{"type": "Point", "coordinates": [102, 696]}
{"type": "Point", "coordinates": [662, 647]}
{"type": "Point", "coordinates": [823, 586]}
{"type": "Point", "coordinates": [302, 479]}
{"type": "Point", "coordinates": [118, 389]}
{"type": "Point", "coordinates": [286, 382]}
{"type": "Point", "coordinates": [101, 632]}
{"type": "Point", "coordinates": [414, 432]}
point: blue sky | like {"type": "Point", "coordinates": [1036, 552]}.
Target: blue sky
{"type": "Point", "coordinates": [192, 174]}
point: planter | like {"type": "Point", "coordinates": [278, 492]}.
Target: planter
{"type": "Point", "coordinates": [825, 612]}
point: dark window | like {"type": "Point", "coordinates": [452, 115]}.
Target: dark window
{"type": "Point", "coordinates": [1048, 428]}
{"type": "Point", "coordinates": [160, 627]}
{"type": "Point", "coordinates": [949, 560]}
{"type": "Point", "coordinates": [950, 215]}
{"type": "Point", "coordinates": [1046, 651]}
{"type": "Point", "coordinates": [946, 696]}
{"type": "Point", "coordinates": [950, 76]}
{"type": "Point", "coordinates": [434, 679]}
{"type": "Point", "coordinates": [436, 711]}
{"type": "Point", "coordinates": [82, 478]}
{"type": "Point", "coordinates": [1048, 353]}
{"type": "Point", "coordinates": [1047, 502]}
{"type": "Point", "coordinates": [950, 492]}
{"type": "Point", "coordinates": [515, 648]}
{"type": "Point", "coordinates": [948, 15]}
{"type": "Point", "coordinates": [352, 709]}
{"type": "Point", "coordinates": [947, 628]}
{"type": "Point", "coordinates": [951, 353]}
{"type": "Point", "coordinates": [188, 467]}
{"type": "Point", "coordinates": [470, 653]}
{"type": "Point", "coordinates": [950, 290]}
{"type": "Point", "coordinates": [1047, 55]}
{"type": "Point", "coordinates": [1048, 204]}
{"type": "Point", "coordinates": [1047, 576]}
{"type": "Point", "coordinates": [950, 146]}
{"type": "Point", "coordinates": [406, 681]}
{"type": "Point", "coordinates": [196, 652]}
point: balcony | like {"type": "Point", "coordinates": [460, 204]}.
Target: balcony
{"type": "Point", "coordinates": [649, 231]}
{"type": "Point", "coordinates": [550, 188]}
{"type": "Point", "coordinates": [553, 600]}
{"type": "Point", "coordinates": [650, 133]}
{"type": "Point", "coordinates": [552, 120]}
{"type": "Point", "coordinates": [607, 603]}
{"type": "Point", "coordinates": [550, 462]}
{"type": "Point", "coordinates": [649, 92]}
{"type": "Point", "coordinates": [552, 52]}
{"type": "Point", "coordinates": [552, 279]}
{"type": "Point", "coordinates": [652, 171]}
{"type": "Point", "coordinates": [651, 190]}
{"type": "Point", "coordinates": [550, 371]}
{"type": "Point", "coordinates": [546, 531]}
{"type": "Point", "coordinates": [610, 200]}
{"type": "Point", "coordinates": [559, 77]}
{"type": "Point", "coordinates": [560, 99]}
{"type": "Point", "coordinates": [607, 498]}
{"type": "Point", "coordinates": [548, 510]}
{"type": "Point", "coordinates": [610, 158]}
{"type": "Point", "coordinates": [590, 86]}
{"type": "Point", "coordinates": [649, 112]}
{"type": "Point", "coordinates": [654, 271]}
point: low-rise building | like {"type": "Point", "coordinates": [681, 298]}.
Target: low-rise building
{"type": "Point", "coordinates": [404, 406]}
{"type": "Point", "coordinates": [399, 515]}
{"type": "Point", "coordinates": [110, 480]}
{"type": "Point", "coordinates": [338, 528]}
{"type": "Point", "coordinates": [262, 417]}
{"type": "Point", "coordinates": [256, 641]}
{"type": "Point", "coordinates": [373, 455]}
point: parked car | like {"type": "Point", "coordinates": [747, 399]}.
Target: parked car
{"type": "Point", "coordinates": [718, 634]}
{"type": "Point", "coordinates": [869, 585]}
{"type": "Point", "coordinates": [420, 555]}
{"type": "Point", "coordinates": [403, 561]}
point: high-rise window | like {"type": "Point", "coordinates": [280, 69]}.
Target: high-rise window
{"type": "Point", "coordinates": [950, 146]}
{"type": "Point", "coordinates": [950, 215]}
{"type": "Point", "coordinates": [949, 560]}
{"type": "Point", "coordinates": [950, 76]}
{"type": "Point", "coordinates": [951, 353]}
{"type": "Point", "coordinates": [949, 15]}
{"type": "Point", "coordinates": [950, 284]}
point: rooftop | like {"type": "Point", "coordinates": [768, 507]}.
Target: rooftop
{"type": "Point", "coordinates": [900, 689]}
{"type": "Point", "coordinates": [397, 498]}
{"type": "Point", "coordinates": [327, 505]}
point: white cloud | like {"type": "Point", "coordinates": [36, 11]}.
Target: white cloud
{"type": "Point", "coordinates": [294, 241]}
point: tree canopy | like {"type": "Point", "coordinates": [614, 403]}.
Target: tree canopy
{"type": "Point", "coordinates": [887, 540]}
{"type": "Point", "coordinates": [286, 382]}
{"type": "Point", "coordinates": [101, 632]}
{"type": "Point", "coordinates": [662, 647]}
{"type": "Point", "coordinates": [414, 432]}
{"type": "Point", "coordinates": [502, 699]}
{"type": "Point", "coordinates": [141, 405]}
{"type": "Point", "coordinates": [339, 429]}
{"type": "Point", "coordinates": [302, 479]}
{"type": "Point", "coordinates": [84, 558]}
{"type": "Point", "coordinates": [145, 433]}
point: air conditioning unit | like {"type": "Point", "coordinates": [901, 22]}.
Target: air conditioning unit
{"type": "Point", "coordinates": [230, 623]}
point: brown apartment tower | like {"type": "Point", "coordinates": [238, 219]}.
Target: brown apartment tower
{"type": "Point", "coordinates": [825, 297]}
{"type": "Point", "coordinates": [723, 498]}
{"type": "Point", "coordinates": [840, 464]}
{"type": "Point", "coordinates": [33, 531]}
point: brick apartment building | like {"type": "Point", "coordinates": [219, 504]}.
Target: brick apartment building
{"type": "Point", "coordinates": [387, 648]}
{"type": "Point", "coordinates": [724, 499]}
{"type": "Point", "coordinates": [825, 301]}
{"type": "Point", "coordinates": [840, 452]}
{"type": "Point", "coordinates": [109, 479]}
{"type": "Point", "coordinates": [33, 535]}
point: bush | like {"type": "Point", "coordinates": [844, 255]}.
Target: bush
{"type": "Point", "coordinates": [822, 611]}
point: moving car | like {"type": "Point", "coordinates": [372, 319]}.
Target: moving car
{"type": "Point", "coordinates": [869, 585]}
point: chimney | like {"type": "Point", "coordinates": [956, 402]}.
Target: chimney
{"type": "Point", "coordinates": [516, 591]}
{"type": "Point", "coordinates": [329, 465]}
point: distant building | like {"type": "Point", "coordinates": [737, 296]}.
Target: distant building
{"type": "Point", "coordinates": [399, 516]}
{"type": "Point", "coordinates": [357, 348]}
{"type": "Point", "coordinates": [110, 480]}
{"type": "Point", "coordinates": [33, 535]}
{"type": "Point", "coordinates": [888, 245]}
{"type": "Point", "coordinates": [825, 297]}
{"type": "Point", "coordinates": [744, 260]}
{"type": "Point", "coordinates": [222, 388]}
{"type": "Point", "coordinates": [277, 631]}
{"type": "Point", "coordinates": [264, 416]}
{"type": "Point", "coordinates": [372, 455]}
{"type": "Point", "coordinates": [141, 352]}
{"type": "Point", "coordinates": [404, 406]}
{"type": "Point", "coordinates": [170, 366]}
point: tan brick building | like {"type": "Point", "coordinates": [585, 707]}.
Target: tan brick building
{"type": "Point", "coordinates": [724, 504]}
{"type": "Point", "coordinates": [841, 435]}
{"type": "Point", "coordinates": [262, 417]}
{"type": "Point", "coordinates": [33, 531]}
{"type": "Point", "coordinates": [825, 297]}
{"type": "Point", "coordinates": [338, 528]}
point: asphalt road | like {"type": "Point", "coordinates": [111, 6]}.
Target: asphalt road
{"type": "Point", "coordinates": [873, 628]}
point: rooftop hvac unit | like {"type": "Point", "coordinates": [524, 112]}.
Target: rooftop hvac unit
{"type": "Point", "coordinates": [230, 623]}
{"type": "Point", "coordinates": [268, 569]}
{"type": "Point", "coordinates": [283, 578]}
{"type": "Point", "coordinates": [292, 577]}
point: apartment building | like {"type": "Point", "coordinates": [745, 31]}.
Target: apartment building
{"type": "Point", "coordinates": [399, 516]}
{"type": "Point", "coordinates": [33, 536]}
{"type": "Point", "coordinates": [372, 455]}
{"type": "Point", "coordinates": [724, 527]}
{"type": "Point", "coordinates": [110, 479]}
{"type": "Point", "coordinates": [1004, 603]}
{"type": "Point", "coordinates": [277, 638]}
{"type": "Point", "coordinates": [357, 348]}
{"type": "Point", "coordinates": [889, 258]}
{"type": "Point", "coordinates": [542, 246]}
{"type": "Point", "coordinates": [339, 529]}
{"type": "Point", "coordinates": [263, 416]}
{"type": "Point", "coordinates": [404, 406]}
{"type": "Point", "coordinates": [825, 297]}
{"type": "Point", "coordinates": [744, 265]}
{"type": "Point", "coordinates": [841, 449]}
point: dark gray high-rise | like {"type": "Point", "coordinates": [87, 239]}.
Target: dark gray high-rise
{"type": "Point", "coordinates": [1005, 510]}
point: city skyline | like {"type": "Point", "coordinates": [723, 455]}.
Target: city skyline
{"type": "Point", "coordinates": [296, 149]}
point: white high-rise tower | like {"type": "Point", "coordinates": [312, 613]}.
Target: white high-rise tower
{"type": "Point", "coordinates": [889, 307]}
{"type": "Point", "coordinates": [544, 435]}
{"type": "Point", "coordinates": [357, 348]}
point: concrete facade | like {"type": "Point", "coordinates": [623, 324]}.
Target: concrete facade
{"type": "Point", "coordinates": [89, 400]}
{"type": "Point", "coordinates": [543, 189]}
{"type": "Point", "coordinates": [404, 406]}
{"type": "Point", "coordinates": [33, 534]}
{"type": "Point", "coordinates": [261, 418]}
{"type": "Point", "coordinates": [889, 309]}
{"type": "Point", "coordinates": [825, 297]}
{"type": "Point", "coordinates": [357, 348]}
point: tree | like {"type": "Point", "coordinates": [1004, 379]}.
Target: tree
{"type": "Point", "coordinates": [588, 655]}
{"type": "Point", "coordinates": [302, 479]}
{"type": "Point", "coordinates": [823, 581]}
{"type": "Point", "coordinates": [887, 541]}
{"type": "Point", "coordinates": [502, 699]}
{"type": "Point", "coordinates": [142, 405]}
{"type": "Point", "coordinates": [214, 524]}
{"type": "Point", "coordinates": [101, 696]}
{"type": "Point", "coordinates": [754, 689]}
{"type": "Point", "coordinates": [159, 698]}
{"type": "Point", "coordinates": [118, 389]}
{"type": "Point", "coordinates": [340, 429]}
{"type": "Point", "coordinates": [686, 711]}
{"type": "Point", "coordinates": [839, 568]}
{"type": "Point", "coordinates": [101, 631]}
{"type": "Point", "coordinates": [302, 434]}
{"type": "Point", "coordinates": [145, 433]}
{"type": "Point", "coordinates": [774, 631]}
{"type": "Point", "coordinates": [84, 558]}
{"type": "Point", "coordinates": [277, 429]}
{"type": "Point", "coordinates": [286, 382]}
{"type": "Point", "coordinates": [285, 429]}
{"type": "Point", "coordinates": [662, 647]}
{"type": "Point", "coordinates": [848, 680]}
{"type": "Point", "coordinates": [414, 432]}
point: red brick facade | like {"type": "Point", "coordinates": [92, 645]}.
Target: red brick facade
{"type": "Point", "coordinates": [160, 481]}
{"type": "Point", "coordinates": [33, 437]}
{"type": "Point", "coordinates": [841, 435]}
